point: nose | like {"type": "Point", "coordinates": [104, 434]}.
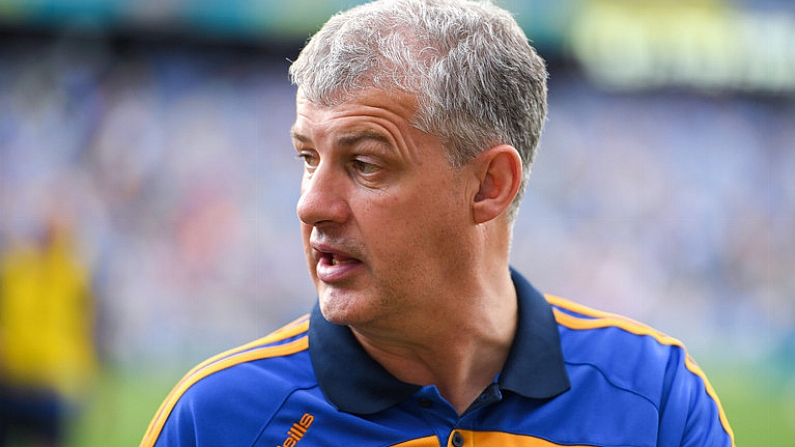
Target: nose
{"type": "Point", "coordinates": [323, 197]}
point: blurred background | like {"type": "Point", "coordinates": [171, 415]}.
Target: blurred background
{"type": "Point", "coordinates": [148, 186]}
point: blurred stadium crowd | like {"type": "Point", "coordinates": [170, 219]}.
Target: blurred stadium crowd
{"type": "Point", "coordinates": [173, 168]}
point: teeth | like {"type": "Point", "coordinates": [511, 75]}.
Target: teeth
{"type": "Point", "coordinates": [335, 261]}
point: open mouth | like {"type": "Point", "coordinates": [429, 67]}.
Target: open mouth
{"type": "Point", "coordinates": [334, 265]}
{"type": "Point", "coordinates": [335, 259]}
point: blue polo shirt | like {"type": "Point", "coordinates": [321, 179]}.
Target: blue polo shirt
{"type": "Point", "coordinates": [574, 377]}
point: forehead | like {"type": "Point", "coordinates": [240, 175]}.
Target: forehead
{"type": "Point", "coordinates": [376, 110]}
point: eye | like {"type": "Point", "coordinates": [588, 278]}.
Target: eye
{"type": "Point", "coordinates": [309, 158]}
{"type": "Point", "coordinates": [364, 167]}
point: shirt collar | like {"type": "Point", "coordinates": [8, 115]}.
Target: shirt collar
{"type": "Point", "coordinates": [355, 383]}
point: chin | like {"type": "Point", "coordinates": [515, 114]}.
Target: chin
{"type": "Point", "coordinates": [342, 308]}
{"type": "Point", "coordinates": [335, 308]}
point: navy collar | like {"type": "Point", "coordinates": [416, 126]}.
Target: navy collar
{"type": "Point", "coordinates": [355, 383]}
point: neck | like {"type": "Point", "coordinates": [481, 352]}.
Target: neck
{"type": "Point", "coordinates": [459, 347]}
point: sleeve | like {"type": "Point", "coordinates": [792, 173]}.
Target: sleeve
{"type": "Point", "coordinates": [179, 429]}
{"type": "Point", "coordinates": [175, 424]}
{"type": "Point", "coordinates": [690, 412]}
{"type": "Point", "coordinates": [213, 411]}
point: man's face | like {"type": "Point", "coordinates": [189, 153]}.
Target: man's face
{"type": "Point", "coordinates": [383, 214]}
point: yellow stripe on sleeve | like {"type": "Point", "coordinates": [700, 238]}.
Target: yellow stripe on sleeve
{"type": "Point", "coordinates": [249, 352]}
{"type": "Point", "coordinates": [605, 319]}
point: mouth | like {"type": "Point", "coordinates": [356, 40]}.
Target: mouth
{"type": "Point", "coordinates": [334, 265]}
{"type": "Point", "coordinates": [334, 259]}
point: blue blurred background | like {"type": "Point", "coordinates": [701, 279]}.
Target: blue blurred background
{"type": "Point", "coordinates": [144, 151]}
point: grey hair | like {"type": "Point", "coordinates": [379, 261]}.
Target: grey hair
{"type": "Point", "coordinates": [476, 79]}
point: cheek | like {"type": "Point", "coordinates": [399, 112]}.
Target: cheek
{"type": "Point", "coordinates": [411, 229]}
{"type": "Point", "coordinates": [414, 218]}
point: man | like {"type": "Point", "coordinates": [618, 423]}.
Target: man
{"type": "Point", "coordinates": [417, 121]}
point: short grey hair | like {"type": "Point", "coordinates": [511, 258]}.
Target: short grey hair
{"type": "Point", "coordinates": [476, 79]}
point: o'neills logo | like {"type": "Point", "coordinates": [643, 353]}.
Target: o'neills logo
{"type": "Point", "coordinates": [297, 431]}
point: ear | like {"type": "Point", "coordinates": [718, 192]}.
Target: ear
{"type": "Point", "coordinates": [499, 171]}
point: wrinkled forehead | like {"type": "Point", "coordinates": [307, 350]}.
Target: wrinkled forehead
{"type": "Point", "coordinates": [371, 105]}
{"type": "Point", "coordinates": [401, 103]}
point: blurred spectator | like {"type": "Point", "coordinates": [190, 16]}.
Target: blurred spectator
{"type": "Point", "coordinates": [47, 355]}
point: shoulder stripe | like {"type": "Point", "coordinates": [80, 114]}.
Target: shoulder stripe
{"type": "Point", "coordinates": [585, 311]}
{"type": "Point", "coordinates": [595, 319]}
{"type": "Point", "coordinates": [293, 329]}
{"type": "Point", "coordinates": [255, 350]}
{"type": "Point", "coordinates": [626, 324]}
{"type": "Point", "coordinates": [599, 319]}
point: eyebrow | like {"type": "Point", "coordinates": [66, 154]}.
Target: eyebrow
{"type": "Point", "coordinates": [297, 136]}
{"type": "Point", "coordinates": [347, 140]}
{"type": "Point", "coordinates": [353, 138]}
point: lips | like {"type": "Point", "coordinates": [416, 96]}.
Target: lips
{"type": "Point", "coordinates": [334, 265]}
